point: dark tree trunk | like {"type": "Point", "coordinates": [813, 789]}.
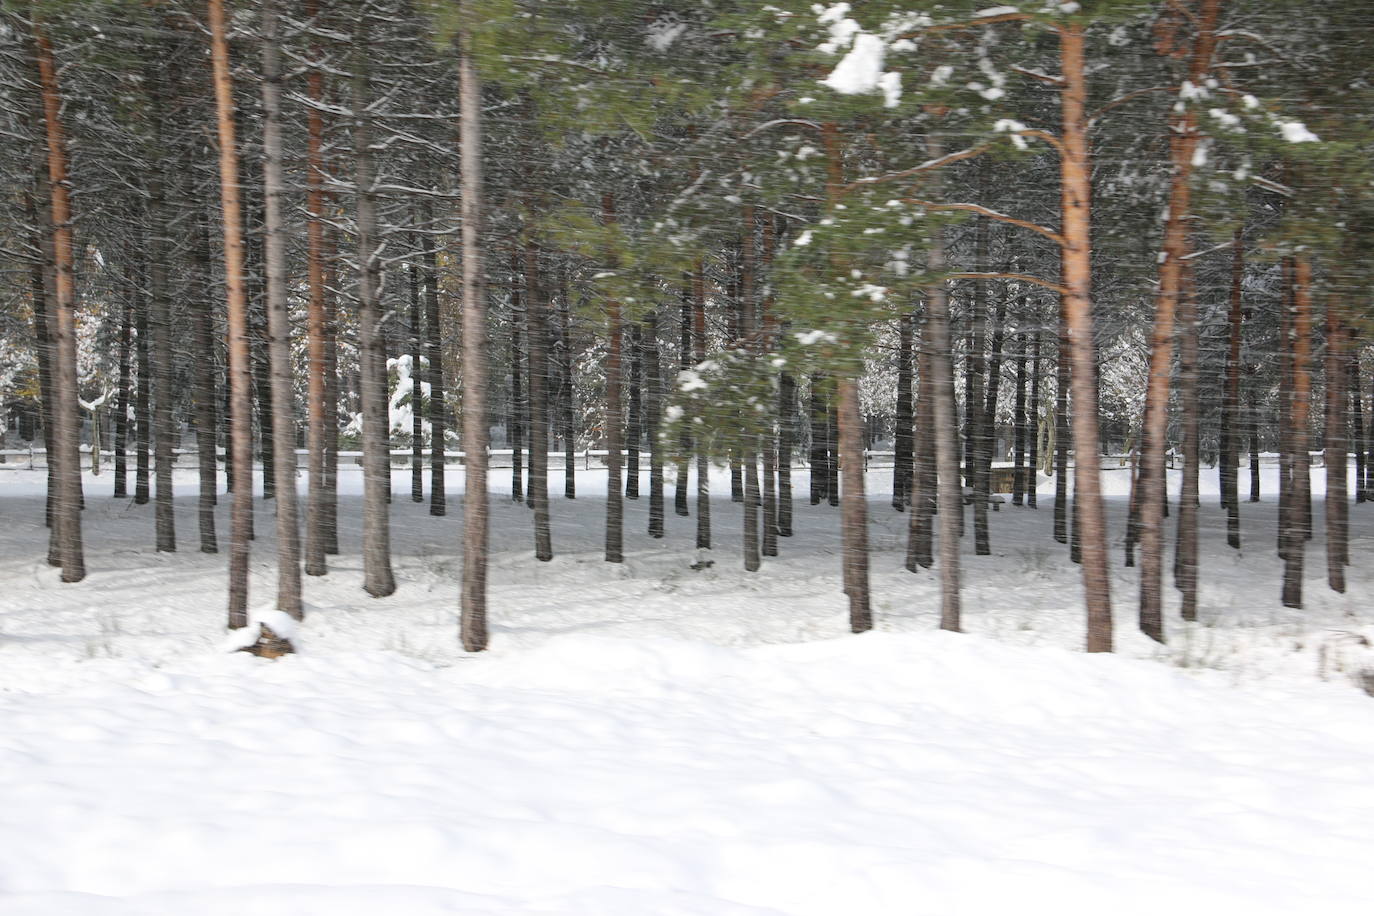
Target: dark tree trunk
{"type": "Point", "coordinates": [121, 420]}
{"type": "Point", "coordinates": [143, 402]}
{"type": "Point", "coordinates": [615, 510]}
{"type": "Point", "coordinates": [684, 363]}
{"type": "Point", "coordinates": [1032, 481]}
{"type": "Point", "coordinates": [975, 424]}
{"type": "Point", "coordinates": [203, 312]}
{"type": "Point", "coordinates": [1061, 435]}
{"type": "Point", "coordinates": [746, 451]}
{"type": "Point", "coordinates": [536, 311]}
{"type": "Point", "coordinates": [787, 426]}
{"type": "Point", "coordinates": [653, 411]}
{"type": "Point", "coordinates": [988, 437]}
{"type": "Point", "coordinates": [515, 422]}
{"type": "Point", "coordinates": [1230, 414]}
{"type": "Point", "coordinates": [417, 379]}
{"type": "Point", "coordinates": [1356, 408]}
{"type": "Point", "coordinates": [820, 477]}
{"type": "Point", "coordinates": [43, 283]}
{"type": "Point", "coordinates": [160, 322]}
{"type": "Point", "coordinates": [434, 346]}
{"type": "Point", "coordinates": [329, 528]}
{"type": "Point", "coordinates": [569, 391]}
{"type": "Point", "coordinates": [1337, 447]}
{"type": "Point", "coordinates": [1018, 472]}
{"type": "Point", "coordinates": [1185, 547]}
{"type": "Point", "coordinates": [703, 540]}
{"type": "Point", "coordinates": [924, 477]}
{"type": "Point", "coordinates": [902, 438]}
{"type": "Point", "coordinates": [634, 427]}
{"type": "Point", "coordinates": [1298, 522]}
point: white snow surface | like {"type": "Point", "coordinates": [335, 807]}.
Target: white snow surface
{"type": "Point", "coordinates": [650, 739]}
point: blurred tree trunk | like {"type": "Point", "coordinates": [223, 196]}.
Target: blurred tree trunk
{"type": "Point", "coordinates": [615, 510]}
{"type": "Point", "coordinates": [1230, 411]}
{"type": "Point", "coordinates": [536, 313]}
{"type": "Point", "coordinates": [1337, 446]}
{"type": "Point", "coordinates": [204, 396]}
{"type": "Point", "coordinates": [1185, 546]}
{"type": "Point", "coordinates": [653, 404]}
{"type": "Point", "coordinates": [703, 541]}
{"type": "Point", "coordinates": [902, 438]}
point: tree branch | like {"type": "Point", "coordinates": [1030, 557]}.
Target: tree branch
{"type": "Point", "coordinates": [990, 214]}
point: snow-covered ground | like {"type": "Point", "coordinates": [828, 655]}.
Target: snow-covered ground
{"type": "Point", "coordinates": [650, 739]}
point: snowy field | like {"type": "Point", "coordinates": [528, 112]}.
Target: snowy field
{"type": "Point", "coordinates": [648, 739]}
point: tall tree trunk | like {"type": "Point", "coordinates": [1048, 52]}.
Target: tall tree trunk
{"type": "Point", "coordinates": [203, 319]}
{"type": "Point", "coordinates": [1062, 434]}
{"type": "Point", "coordinates": [44, 282]}
{"type": "Point", "coordinates": [746, 451]}
{"type": "Point", "coordinates": [536, 312]}
{"type": "Point", "coordinates": [684, 363]}
{"type": "Point", "coordinates": [121, 421]}
{"type": "Point", "coordinates": [569, 394]}
{"type": "Point", "coordinates": [475, 508]}
{"type": "Point", "coordinates": [1356, 408]}
{"type": "Point", "coordinates": [66, 415]}
{"type": "Point", "coordinates": [378, 580]}
{"type": "Point", "coordinates": [924, 477]}
{"type": "Point", "coordinates": [653, 410]}
{"type": "Point", "coordinates": [703, 541]}
{"type": "Point", "coordinates": [787, 435]}
{"type": "Point", "coordinates": [1185, 546]}
{"type": "Point", "coordinates": [237, 321]}
{"type": "Point", "coordinates": [988, 435]}
{"type": "Point", "coordinates": [1076, 184]}
{"type": "Point", "coordinates": [329, 528]}
{"type": "Point", "coordinates": [634, 432]}
{"type": "Point", "coordinates": [615, 510]}
{"type": "Point", "coordinates": [417, 380]}
{"type": "Point", "coordinates": [1337, 446]}
{"type": "Point", "coordinates": [974, 408]}
{"type": "Point", "coordinates": [1018, 461]}
{"type": "Point", "coordinates": [1230, 412]}
{"type": "Point", "coordinates": [143, 401]}
{"type": "Point", "coordinates": [949, 498]}
{"type": "Point", "coordinates": [1297, 525]}
{"type": "Point", "coordinates": [1032, 481]}
{"type": "Point", "coordinates": [1253, 429]}
{"type": "Point", "coordinates": [160, 322]}
{"type": "Point", "coordinates": [515, 420]}
{"type": "Point", "coordinates": [438, 408]}
{"type": "Point", "coordinates": [819, 476]}
{"type": "Point", "coordinates": [318, 431]}
{"type": "Point", "coordinates": [902, 437]}
{"type": "Point", "coordinates": [279, 324]}
{"type": "Point", "coordinates": [849, 439]}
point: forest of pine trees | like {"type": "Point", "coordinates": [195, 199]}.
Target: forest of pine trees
{"type": "Point", "coordinates": [989, 246]}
